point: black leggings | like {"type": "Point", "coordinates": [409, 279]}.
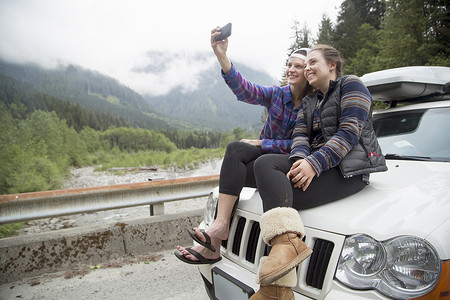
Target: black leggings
{"type": "Point", "coordinates": [237, 168]}
{"type": "Point", "coordinates": [276, 190]}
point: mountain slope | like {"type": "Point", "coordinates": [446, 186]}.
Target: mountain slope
{"type": "Point", "coordinates": [213, 105]}
{"type": "Point", "coordinates": [21, 99]}
{"type": "Point", "coordinates": [89, 89]}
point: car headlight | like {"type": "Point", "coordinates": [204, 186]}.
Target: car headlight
{"type": "Point", "coordinates": [211, 208]}
{"type": "Point", "coordinates": [403, 267]}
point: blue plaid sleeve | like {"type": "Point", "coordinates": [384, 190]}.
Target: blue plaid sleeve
{"type": "Point", "coordinates": [246, 91]}
{"type": "Point", "coordinates": [276, 146]}
{"type": "Point", "coordinates": [277, 130]}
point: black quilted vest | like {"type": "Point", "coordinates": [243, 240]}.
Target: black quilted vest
{"type": "Point", "coordinates": [365, 157]}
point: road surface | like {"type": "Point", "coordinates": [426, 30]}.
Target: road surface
{"type": "Point", "coordinates": [162, 278]}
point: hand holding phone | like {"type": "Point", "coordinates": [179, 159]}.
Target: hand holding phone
{"type": "Point", "coordinates": [225, 32]}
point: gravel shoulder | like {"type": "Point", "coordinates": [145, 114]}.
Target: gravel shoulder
{"type": "Point", "coordinates": [158, 276]}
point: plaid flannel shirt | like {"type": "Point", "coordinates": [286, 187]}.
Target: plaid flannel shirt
{"type": "Point", "coordinates": [277, 131]}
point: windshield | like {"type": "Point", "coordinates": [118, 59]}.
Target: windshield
{"type": "Point", "coordinates": [415, 133]}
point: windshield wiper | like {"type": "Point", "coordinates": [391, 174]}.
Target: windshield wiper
{"type": "Point", "coordinates": [406, 157]}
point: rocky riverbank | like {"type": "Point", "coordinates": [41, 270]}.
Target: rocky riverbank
{"type": "Point", "coordinates": [87, 177]}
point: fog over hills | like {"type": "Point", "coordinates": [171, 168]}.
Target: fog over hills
{"type": "Point", "coordinates": [206, 101]}
{"type": "Point", "coordinates": [191, 93]}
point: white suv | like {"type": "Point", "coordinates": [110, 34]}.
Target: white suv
{"type": "Point", "coordinates": [391, 240]}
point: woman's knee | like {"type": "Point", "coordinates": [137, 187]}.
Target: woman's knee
{"type": "Point", "coordinates": [268, 162]}
{"type": "Point", "coordinates": [235, 148]}
{"type": "Point", "coordinates": [262, 164]}
{"type": "Point", "coordinates": [231, 147]}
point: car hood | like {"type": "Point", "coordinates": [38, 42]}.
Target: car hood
{"type": "Point", "coordinates": [411, 198]}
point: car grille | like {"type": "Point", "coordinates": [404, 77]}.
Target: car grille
{"type": "Point", "coordinates": [245, 247]}
{"type": "Point", "coordinates": [318, 263]}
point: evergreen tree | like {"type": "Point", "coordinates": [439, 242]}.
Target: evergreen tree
{"type": "Point", "coordinates": [365, 59]}
{"type": "Point", "coordinates": [441, 22]}
{"type": "Point", "coordinates": [353, 14]}
{"type": "Point", "coordinates": [300, 37]}
{"type": "Point", "coordinates": [238, 133]}
{"type": "Point", "coordinates": [415, 32]}
{"type": "Point", "coordinates": [326, 31]}
{"type": "Point", "coordinates": [8, 132]}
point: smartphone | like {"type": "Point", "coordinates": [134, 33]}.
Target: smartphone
{"type": "Point", "coordinates": [225, 32]}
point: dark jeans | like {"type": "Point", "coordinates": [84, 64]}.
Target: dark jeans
{"type": "Point", "coordinates": [276, 190]}
{"type": "Point", "coordinates": [237, 168]}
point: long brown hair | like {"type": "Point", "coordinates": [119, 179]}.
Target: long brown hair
{"type": "Point", "coordinates": [331, 55]}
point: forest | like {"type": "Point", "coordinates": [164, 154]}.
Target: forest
{"type": "Point", "coordinates": [42, 135]}
{"type": "Point", "coordinates": [37, 152]}
{"type": "Point", "coordinates": [373, 35]}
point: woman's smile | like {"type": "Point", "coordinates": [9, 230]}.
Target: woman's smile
{"type": "Point", "coordinates": [318, 71]}
{"type": "Point", "coordinates": [294, 71]}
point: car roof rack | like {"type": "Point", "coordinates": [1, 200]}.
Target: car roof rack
{"type": "Point", "coordinates": [409, 84]}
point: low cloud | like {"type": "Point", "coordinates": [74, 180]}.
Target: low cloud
{"type": "Point", "coordinates": [157, 73]}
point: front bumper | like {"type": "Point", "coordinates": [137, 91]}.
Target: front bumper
{"type": "Point", "coordinates": [336, 292]}
{"type": "Point", "coordinates": [244, 248]}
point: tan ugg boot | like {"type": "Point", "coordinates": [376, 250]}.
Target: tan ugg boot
{"type": "Point", "coordinates": [280, 289]}
{"type": "Point", "coordinates": [270, 292]}
{"type": "Point", "coordinates": [282, 229]}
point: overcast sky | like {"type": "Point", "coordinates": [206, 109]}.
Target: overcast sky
{"type": "Point", "coordinates": [113, 37]}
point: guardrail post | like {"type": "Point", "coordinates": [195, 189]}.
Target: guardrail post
{"type": "Point", "coordinates": [156, 209]}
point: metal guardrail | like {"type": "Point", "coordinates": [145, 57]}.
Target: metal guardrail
{"type": "Point", "coordinates": [38, 205]}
